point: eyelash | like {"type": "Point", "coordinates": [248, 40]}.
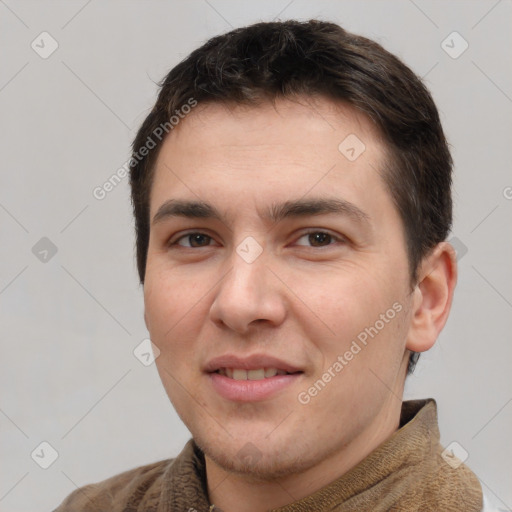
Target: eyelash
{"type": "Point", "coordinates": [335, 238]}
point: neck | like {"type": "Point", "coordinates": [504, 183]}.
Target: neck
{"type": "Point", "coordinates": [240, 493]}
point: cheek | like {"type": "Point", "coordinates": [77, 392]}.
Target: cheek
{"type": "Point", "coordinates": [172, 308]}
{"type": "Point", "coordinates": [341, 301]}
{"type": "Point", "coordinates": [174, 324]}
{"type": "Point", "coordinates": [169, 293]}
{"type": "Point", "coordinates": [345, 307]}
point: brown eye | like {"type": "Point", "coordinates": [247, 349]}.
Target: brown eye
{"type": "Point", "coordinates": [317, 239]}
{"type": "Point", "coordinates": [194, 240]}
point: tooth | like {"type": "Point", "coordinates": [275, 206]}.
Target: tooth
{"type": "Point", "coordinates": [281, 372]}
{"type": "Point", "coordinates": [239, 374]}
{"type": "Point", "coordinates": [229, 372]}
{"type": "Point", "coordinates": [256, 374]}
{"type": "Point", "coordinates": [222, 371]}
{"type": "Point", "coordinates": [270, 372]}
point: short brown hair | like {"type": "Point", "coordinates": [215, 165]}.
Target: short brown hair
{"type": "Point", "coordinates": [268, 60]}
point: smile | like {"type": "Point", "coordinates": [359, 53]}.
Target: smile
{"type": "Point", "coordinates": [257, 374]}
{"type": "Point", "coordinates": [251, 385]}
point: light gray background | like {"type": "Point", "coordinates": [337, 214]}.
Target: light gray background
{"type": "Point", "coordinates": [69, 326]}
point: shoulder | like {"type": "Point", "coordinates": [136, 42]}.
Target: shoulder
{"type": "Point", "coordinates": [137, 486]}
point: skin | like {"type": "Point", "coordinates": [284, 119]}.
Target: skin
{"type": "Point", "coordinates": [301, 300]}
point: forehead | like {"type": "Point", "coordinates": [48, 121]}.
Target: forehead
{"type": "Point", "coordinates": [275, 150]}
{"type": "Point", "coordinates": [307, 121]}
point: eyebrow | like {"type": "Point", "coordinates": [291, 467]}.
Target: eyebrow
{"type": "Point", "coordinates": [276, 213]}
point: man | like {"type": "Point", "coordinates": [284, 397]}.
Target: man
{"type": "Point", "coordinates": [292, 198]}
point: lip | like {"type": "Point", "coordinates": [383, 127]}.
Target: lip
{"type": "Point", "coordinates": [250, 390]}
{"type": "Point", "coordinates": [252, 362]}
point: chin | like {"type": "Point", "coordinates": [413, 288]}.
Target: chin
{"type": "Point", "coordinates": [246, 458]}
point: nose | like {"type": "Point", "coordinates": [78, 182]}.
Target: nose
{"type": "Point", "coordinates": [249, 294]}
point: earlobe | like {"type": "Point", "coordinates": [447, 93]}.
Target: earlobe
{"type": "Point", "coordinates": [433, 296]}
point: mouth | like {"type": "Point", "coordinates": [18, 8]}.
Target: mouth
{"type": "Point", "coordinates": [256, 374]}
{"type": "Point", "coordinates": [253, 378]}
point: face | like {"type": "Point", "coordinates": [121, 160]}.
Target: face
{"type": "Point", "coordinates": [277, 284]}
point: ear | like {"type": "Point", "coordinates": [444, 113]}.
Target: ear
{"type": "Point", "coordinates": [146, 320]}
{"type": "Point", "coordinates": [432, 297]}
